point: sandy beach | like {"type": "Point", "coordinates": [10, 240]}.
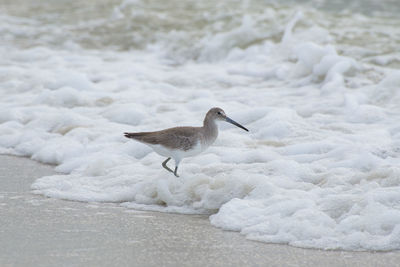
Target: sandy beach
{"type": "Point", "coordinates": [316, 83]}
{"type": "Point", "coordinates": [39, 231]}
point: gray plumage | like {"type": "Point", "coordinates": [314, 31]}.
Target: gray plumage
{"type": "Point", "coordinates": [184, 139]}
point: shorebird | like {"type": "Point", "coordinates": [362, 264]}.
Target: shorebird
{"type": "Point", "coordinates": [182, 142]}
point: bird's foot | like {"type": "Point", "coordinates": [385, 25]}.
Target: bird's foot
{"type": "Point", "coordinates": [164, 164]}
{"type": "Point", "coordinates": [176, 171]}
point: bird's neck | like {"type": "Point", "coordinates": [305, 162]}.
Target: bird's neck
{"type": "Point", "coordinates": [210, 130]}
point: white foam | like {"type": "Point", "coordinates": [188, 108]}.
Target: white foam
{"type": "Point", "coordinates": [319, 167]}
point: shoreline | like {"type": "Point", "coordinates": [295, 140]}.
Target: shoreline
{"type": "Point", "coordinates": [43, 231]}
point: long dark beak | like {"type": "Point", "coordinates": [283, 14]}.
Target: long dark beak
{"type": "Point", "coordinates": [235, 123]}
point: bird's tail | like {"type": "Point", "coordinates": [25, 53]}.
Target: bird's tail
{"type": "Point", "coordinates": [133, 135]}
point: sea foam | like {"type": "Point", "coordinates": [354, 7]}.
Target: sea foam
{"type": "Point", "coordinates": [318, 169]}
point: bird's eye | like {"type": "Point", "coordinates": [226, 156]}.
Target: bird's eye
{"type": "Point", "coordinates": [219, 113]}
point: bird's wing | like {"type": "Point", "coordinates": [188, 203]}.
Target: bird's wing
{"type": "Point", "coordinates": [175, 138]}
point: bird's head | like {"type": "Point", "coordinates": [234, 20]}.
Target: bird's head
{"type": "Point", "coordinates": [218, 114]}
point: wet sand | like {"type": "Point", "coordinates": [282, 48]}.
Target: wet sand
{"type": "Point", "coordinates": [39, 231]}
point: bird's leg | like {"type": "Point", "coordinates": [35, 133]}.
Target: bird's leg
{"type": "Point", "coordinates": [176, 171]}
{"type": "Point", "coordinates": [164, 164]}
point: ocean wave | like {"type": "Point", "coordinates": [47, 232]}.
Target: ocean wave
{"type": "Point", "coordinates": [319, 167]}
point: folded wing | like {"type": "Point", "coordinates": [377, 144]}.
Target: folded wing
{"type": "Point", "coordinates": [183, 138]}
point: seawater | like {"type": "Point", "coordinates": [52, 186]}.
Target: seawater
{"type": "Point", "coordinates": [316, 82]}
